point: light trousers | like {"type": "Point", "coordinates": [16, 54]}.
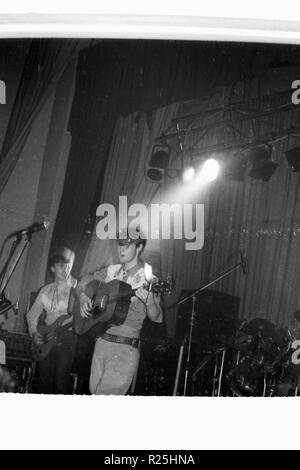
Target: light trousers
{"type": "Point", "coordinates": [113, 368]}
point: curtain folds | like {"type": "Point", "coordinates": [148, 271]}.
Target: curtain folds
{"type": "Point", "coordinates": [130, 150]}
{"type": "Point", "coordinates": [109, 153]}
{"type": "Point", "coordinates": [260, 218]}
{"type": "Point", "coordinates": [126, 76]}
{"type": "Point", "coordinates": [44, 65]}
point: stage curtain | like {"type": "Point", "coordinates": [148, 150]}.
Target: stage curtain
{"type": "Point", "coordinates": [44, 65]}
{"type": "Point", "coordinates": [130, 150]}
{"type": "Point", "coordinates": [120, 77]}
{"type": "Point", "coordinates": [261, 218]}
{"type": "Point", "coordinates": [258, 217]}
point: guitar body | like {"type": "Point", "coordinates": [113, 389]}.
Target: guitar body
{"type": "Point", "coordinates": [110, 304]}
{"type": "Point", "coordinates": [50, 334]}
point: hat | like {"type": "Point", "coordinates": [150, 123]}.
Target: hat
{"type": "Point", "coordinates": [127, 237]}
{"type": "Point", "coordinates": [62, 255]}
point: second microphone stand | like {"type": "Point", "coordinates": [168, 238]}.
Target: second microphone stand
{"type": "Point", "coordinates": [189, 335]}
{"type": "Point", "coordinates": [7, 270]}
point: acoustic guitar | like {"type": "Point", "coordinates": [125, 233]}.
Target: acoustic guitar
{"type": "Point", "coordinates": [110, 302]}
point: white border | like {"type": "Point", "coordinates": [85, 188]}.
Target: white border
{"type": "Point", "coordinates": [39, 422]}
{"type": "Point", "coordinates": [43, 422]}
{"type": "Point", "coordinates": [150, 27]}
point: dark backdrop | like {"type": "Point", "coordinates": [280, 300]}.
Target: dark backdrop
{"type": "Point", "coordinates": [122, 76]}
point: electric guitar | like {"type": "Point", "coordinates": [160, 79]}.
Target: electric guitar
{"type": "Point", "coordinates": [110, 302]}
{"type": "Point", "coordinates": [51, 335]}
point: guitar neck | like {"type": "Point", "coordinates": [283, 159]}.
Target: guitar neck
{"type": "Point", "coordinates": [130, 293]}
{"type": "Point", "coordinates": [127, 295]}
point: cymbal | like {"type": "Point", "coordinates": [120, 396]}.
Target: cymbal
{"type": "Point", "coordinates": [260, 324]}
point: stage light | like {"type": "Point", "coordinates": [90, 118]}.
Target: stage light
{"type": "Point", "coordinates": [159, 162]}
{"type": "Point", "coordinates": [262, 166]}
{"type": "Point", "coordinates": [293, 158]}
{"type": "Point", "coordinates": [259, 154]}
{"type": "Point", "coordinates": [210, 169]}
{"type": "Point", "coordinates": [188, 174]}
{"type": "Point", "coordinates": [263, 171]}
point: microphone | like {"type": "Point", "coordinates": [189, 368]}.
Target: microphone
{"type": "Point", "coordinates": [29, 230]}
{"type": "Point", "coordinates": [244, 263]}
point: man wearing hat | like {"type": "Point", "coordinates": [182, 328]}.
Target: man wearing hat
{"type": "Point", "coordinates": [52, 301]}
{"type": "Point", "coordinates": [116, 355]}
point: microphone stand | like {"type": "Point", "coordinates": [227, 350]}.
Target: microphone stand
{"type": "Point", "coordinates": [188, 337]}
{"type": "Point", "coordinates": [7, 272]}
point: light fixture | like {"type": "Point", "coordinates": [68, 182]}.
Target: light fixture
{"type": "Point", "coordinates": [262, 165]}
{"type": "Point", "coordinates": [264, 171]}
{"type": "Point", "coordinates": [188, 174]}
{"type": "Point", "coordinates": [210, 169]}
{"type": "Point", "coordinates": [293, 158]}
{"type": "Point", "coordinates": [158, 164]}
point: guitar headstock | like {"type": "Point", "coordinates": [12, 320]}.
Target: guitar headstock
{"type": "Point", "coordinates": [162, 286]}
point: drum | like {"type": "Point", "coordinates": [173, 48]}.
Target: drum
{"type": "Point", "coordinates": [290, 361]}
{"type": "Point", "coordinates": [276, 345]}
{"type": "Point", "coordinates": [268, 340]}
{"type": "Point", "coordinates": [244, 342]}
{"type": "Point", "coordinates": [263, 349]}
{"type": "Point", "coordinates": [246, 378]}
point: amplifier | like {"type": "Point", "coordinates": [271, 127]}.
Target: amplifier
{"type": "Point", "coordinates": [18, 359]}
{"type": "Point", "coordinates": [18, 345]}
{"type": "Point", "coordinates": [215, 319]}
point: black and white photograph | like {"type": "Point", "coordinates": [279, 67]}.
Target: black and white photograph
{"type": "Point", "coordinates": [150, 217]}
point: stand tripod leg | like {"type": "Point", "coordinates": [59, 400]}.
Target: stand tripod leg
{"type": "Point", "coordinates": [221, 372]}
{"type": "Point", "coordinates": [178, 369]}
{"type": "Point", "coordinates": [187, 367]}
{"type": "Point", "coordinates": [265, 385]}
{"type": "Point", "coordinates": [215, 375]}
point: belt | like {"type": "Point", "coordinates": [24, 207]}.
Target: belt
{"type": "Point", "coordinates": [134, 342]}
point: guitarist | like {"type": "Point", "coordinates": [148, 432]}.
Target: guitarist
{"type": "Point", "coordinates": [116, 355]}
{"type": "Point", "coordinates": [52, 302]}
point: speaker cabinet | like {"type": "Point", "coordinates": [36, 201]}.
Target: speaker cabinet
{"type": "Point", "coordinates": [215, 318]}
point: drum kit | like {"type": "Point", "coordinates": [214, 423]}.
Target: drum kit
{"type": "Point", "coordinates": [255, 361]}
{"type": "Point", "coordinates": [262, 357]}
